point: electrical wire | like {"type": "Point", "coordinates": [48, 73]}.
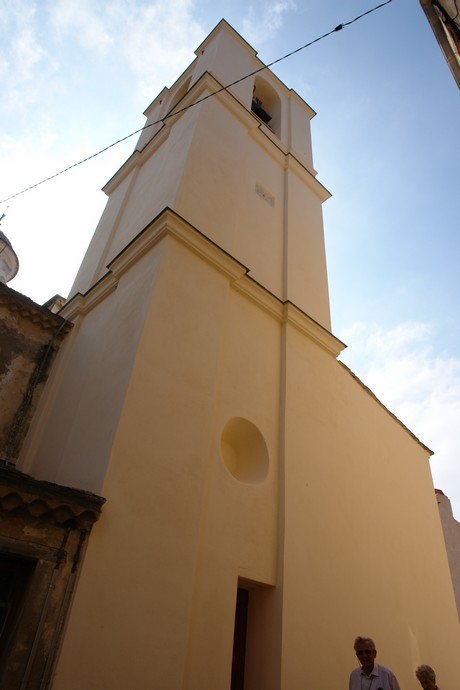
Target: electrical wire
{"type": "Point", "coordinates": [339, 27]}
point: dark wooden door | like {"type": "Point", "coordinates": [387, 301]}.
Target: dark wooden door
{"type": "Point", "coordinates": [239, 639]}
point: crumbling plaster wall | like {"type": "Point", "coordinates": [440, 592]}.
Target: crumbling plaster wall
{"type": "Point", "coordinates": [30, 336]}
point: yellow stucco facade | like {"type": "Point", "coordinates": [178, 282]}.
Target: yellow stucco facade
{"type": "Point", "coordinates": [199, 392]}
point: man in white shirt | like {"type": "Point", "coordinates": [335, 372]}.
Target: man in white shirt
{"type": "Point", "coordinates": [370, 675]}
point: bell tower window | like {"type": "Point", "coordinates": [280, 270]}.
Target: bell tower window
{"type": "Point", "coordinates": [266, 105]}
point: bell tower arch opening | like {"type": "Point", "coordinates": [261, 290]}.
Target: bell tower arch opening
{"type": "Point", "coordinates": [266, 104]}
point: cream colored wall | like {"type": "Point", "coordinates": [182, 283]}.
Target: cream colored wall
{"type": "Point", "coordinates": [299, 136]}
{"type": "Point", "coordinates": [181, 529]}
{"type": "Point", "coordinates": [72, 433]}
{"type": "Point", "coordinates": [330, 531]}
{"type": "Point", "coordinates": [213, 182]}
{"type": "Point", "coordinates": [172, 342]}
{"type": "Point", "coordinates": [146, 188]}
{"type": "Point", "coordinates": [363, 553]}
{"type": "Point", "coordinates": [280, 238]}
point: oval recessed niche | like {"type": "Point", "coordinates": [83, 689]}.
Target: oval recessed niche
{"type": "Point", "coordinates": [244, 451]}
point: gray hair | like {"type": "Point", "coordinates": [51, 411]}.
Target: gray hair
{"type": "Point", "coordinates": [364, 640]}
{"type": "Point", "coordinates": [425, 671]}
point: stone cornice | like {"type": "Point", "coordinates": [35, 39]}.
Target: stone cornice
{"type": "Point", "coordinates": [254, 291]}
{"type": "Point", "coordinates": [30, 311]}
{"type": "Point", "coordinates": [82, 304]}
{"type": "Point", "coordinates": [170, 224]}
{"type": "Point", "coordinates": [167, 223]}
{"type": "Point", "coordinates": [312, 329]}
{"type": "Point", "coordinates": [22, 494]}
{"type": "Point", "coordinates": [307, 176]}
{"type": "Point", "coordinates": [286, 312]}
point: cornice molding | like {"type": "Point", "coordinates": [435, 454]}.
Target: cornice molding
{"type": "Point", "coordinates": [28, 310]}
{"type": "Point", "coordinates": [287, 313]}
{"type": "Point", "coordinates": [170, 224]}
{"type": "Point", "coordinates": [312, 329]}
{"type": "Point", "coordinates": [307, 176]}
{"type": "Point", "coordinates": [80, 304]}
{"type": "Point", "coordinates": [41, 500]}
{"type": "Point", "coordinates": [167, 223]}
{"type": "Point", "coordinates": [254, 291]}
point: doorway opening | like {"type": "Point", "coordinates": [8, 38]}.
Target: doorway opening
{"type": "Point", "coordinates": [239, 639]}
{"type": "Point", "coordinates": [15, 575]}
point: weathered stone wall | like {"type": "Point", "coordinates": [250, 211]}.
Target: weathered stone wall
{"type": "Point", "coordinates": [43, 533]}
{"type": "Point", "coordinates": [30, 336]}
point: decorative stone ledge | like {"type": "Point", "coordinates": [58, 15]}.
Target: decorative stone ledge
{"type": "Point", "coordinates": [30, 311]}
{"type": "Point", "coordinates": [20, 493]}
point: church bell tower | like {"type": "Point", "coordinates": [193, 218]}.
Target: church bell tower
{"type": "Point", "coordinates": [199, 393]}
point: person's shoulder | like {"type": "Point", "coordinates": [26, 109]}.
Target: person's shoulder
{"type": "Point", "coordinates": [385, 669]}
{"type": "Point", "coordinates": [355, 680]}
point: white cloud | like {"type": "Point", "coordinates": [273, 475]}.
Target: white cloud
{"type": "Point", "coordinates": [262, 23]}
{"type": "Point", "coordinates": [27, 53]}
{"type": "Point", "coordinates": [81, 20]}
{"type": "Point", "coordinates": [21, 54]}
{"type": "Point", "coordinates": [151, 42]}
{"type": "Point", "coordinates": [155, 39]}
{"type": "Point", "coordinates": [159, 39]}
{"type": "Point", "coordinates": [421, 388]}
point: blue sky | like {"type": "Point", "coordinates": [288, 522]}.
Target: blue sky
{"type": "Point", "coordinates": [77, 74]}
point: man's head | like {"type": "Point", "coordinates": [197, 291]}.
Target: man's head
{"type": "Point", "coordinates": [366, 653]}
{"type": "Point", "coordinates": [426, 677]}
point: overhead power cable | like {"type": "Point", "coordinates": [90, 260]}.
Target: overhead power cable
{"type": "Point", "coordinates": [339, 27]}
{"type": "Point", "coordinates": [458, 11]}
